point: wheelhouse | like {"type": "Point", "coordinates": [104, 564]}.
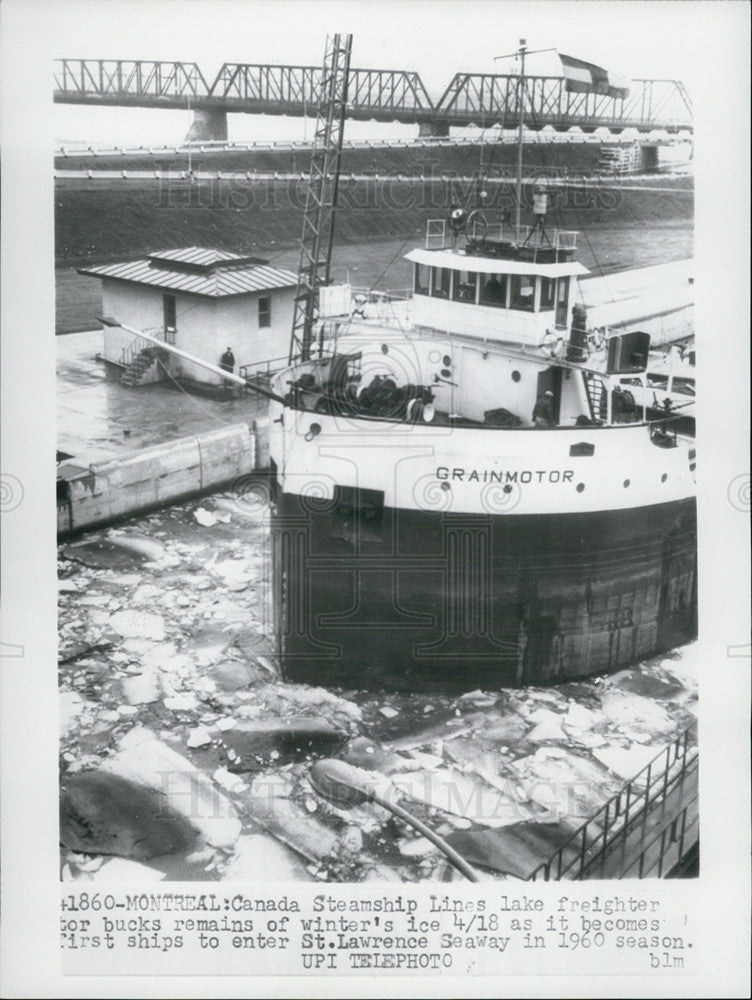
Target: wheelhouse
{"type": "Point", "coordinates": [519, 289]}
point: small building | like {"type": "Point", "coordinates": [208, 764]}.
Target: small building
{"type": "Point", "coordinates": [201, 301]}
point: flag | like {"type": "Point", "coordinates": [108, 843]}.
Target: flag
{"type": "Point", "coordinates": [586, 78]}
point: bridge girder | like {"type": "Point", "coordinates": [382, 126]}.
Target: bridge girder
{"type": "Point", "coordinates": [374, 95]}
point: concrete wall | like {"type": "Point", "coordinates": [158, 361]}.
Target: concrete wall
{"type": "Point", "coordinates": [134, 305]}
{"type": "Point", "coordinates": [238, 327]}
{"type": "Point", "coordinates": [196, 334]}
{"type": "Point", "coordinates": [157, 475]}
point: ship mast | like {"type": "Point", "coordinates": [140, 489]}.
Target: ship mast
{"type": "Point", "coordinates": [520, 54]}
{"type": "Point", "coordinates": [321, 196]}
{"type": "Point", "coordinates": [521, 122]}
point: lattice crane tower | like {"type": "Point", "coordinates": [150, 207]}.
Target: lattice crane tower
{"type": "Point", "coordinates": [321, 196]}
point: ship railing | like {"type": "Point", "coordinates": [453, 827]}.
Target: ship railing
{"type": "Point", "coordinates": [262, 372]}
{"type": "Point", "coordinates": [376, 295]}
{"type": "Point", "coordinates": [478, 230]}
{"type": "Point", "coordinates": [541, 239]}
{"type": "Point", "coordinates": [388, 306]}
{"type": "Point", "coordinates": [565, 239]}
{"type": "Point", "coordinates": [440, 236]}
{"type": "Point", "coordinates": [664, 431]}
{"type": "Point", "coordinates": [620, 833]}
{"type": "Point", "coordinates": [436, 234]}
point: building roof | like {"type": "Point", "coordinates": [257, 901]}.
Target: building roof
{"type": "Point", "coordinates": [199, 271]}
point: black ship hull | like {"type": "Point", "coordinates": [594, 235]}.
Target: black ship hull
{"type": "Point", "coordinates": [415, 600]}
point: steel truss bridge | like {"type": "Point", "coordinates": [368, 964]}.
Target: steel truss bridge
{"type": "Point", "coordinates": [373, 95]}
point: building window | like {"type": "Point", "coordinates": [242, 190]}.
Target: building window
{"type": "Point", "coordinates": [465, 283]}
{"type": "Point", "coordinates": [523, 292]}
{"type": "Point", "coordinates": [169, 310]}
{"type": "Point", "coordinates": [265, 311]}
{"type": "Point", "coordinates": [421, 279]}
{"type": "Point", "coordinates": [493, 290]}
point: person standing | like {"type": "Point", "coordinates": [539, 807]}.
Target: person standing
{"type": "Point", "coordinates": [227, 364]}
{"type": "Point", "coordinates": [543, 411]}
{"type": "Point", "coordinates": [227, 361]}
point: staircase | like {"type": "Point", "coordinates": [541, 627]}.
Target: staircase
{"type": "Point", "coordinates": [596, 393]}
{"type": "Point", "coordinates": [137, 368]}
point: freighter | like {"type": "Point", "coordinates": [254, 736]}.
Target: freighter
{"type": "Point", "coordinates": [465, 493]}
{"type": "Point", "coordinates": [471, 501]}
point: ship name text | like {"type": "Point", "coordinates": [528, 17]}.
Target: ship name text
{"type": "Point", "coordinates": [462, 475]}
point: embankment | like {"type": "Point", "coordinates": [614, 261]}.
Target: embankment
{"type": "Point", "coordinates": [99, 221]}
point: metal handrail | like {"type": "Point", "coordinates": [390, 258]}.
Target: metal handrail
{"type": "Point", "coordinates": [129, 353]}
{"type": "Point", "coordinates": [623, 819]}
{"type": "Point", "coordinates": [263, 369]}
{"type": "Point", "coordinates": [436, 234]}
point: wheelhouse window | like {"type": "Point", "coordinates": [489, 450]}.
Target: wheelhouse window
{"type": "Point", "coordinates": [442, 279]}
{"type": "Point", "coordinates": [465, 283]}
{"type": "Point", "coordinates": [265, 311]}
{"type": "Point", "coordinates": [547, 293]}
{"type": "Point", "coordinates": [421, 279]}
{"type": "Point", "coordinates": [657, 381]}
{"type": "Point", "coordinates": [562, 300]}
{"type": "Point", "coordinates": [493, 290]}
{"type": "Point", "coordinates": [523, 292]}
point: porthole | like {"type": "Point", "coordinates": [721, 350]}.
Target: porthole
{"type": "Point", "coordinates": [508, 488]}
{"type": "Point", "coordinates": [664, 477]}
{"type": "Point", "coordinates": [445, 487]}
{"type": "Point", "coordinates": [385, 348]}
{"type": "Point", "coordinates": [626, 483]}
{"type": "Point", "coordinates": [580, 487]}
{"type": "Point", "coordinates": [445, 373]}
{"type": "Point", "coordinates": [516, 376]}
{"type": "Point", "coordinates": [446, 361]}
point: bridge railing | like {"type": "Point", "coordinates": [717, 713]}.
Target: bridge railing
{"type": "Point", "coordinates": [135, 78]}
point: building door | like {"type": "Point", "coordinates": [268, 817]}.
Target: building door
{"type": "Point", "coordinates": [550, 379]}
{"type": "Point", "coordinates": [170, 315]}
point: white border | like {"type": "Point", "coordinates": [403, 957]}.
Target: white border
{"type": "Point", "coordinates": [718, 34]}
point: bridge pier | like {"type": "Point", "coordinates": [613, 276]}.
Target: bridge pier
{"type": "Point", "coordinates": [208, 123]}
{"type": "Point", "coordinates": [435, 129]}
